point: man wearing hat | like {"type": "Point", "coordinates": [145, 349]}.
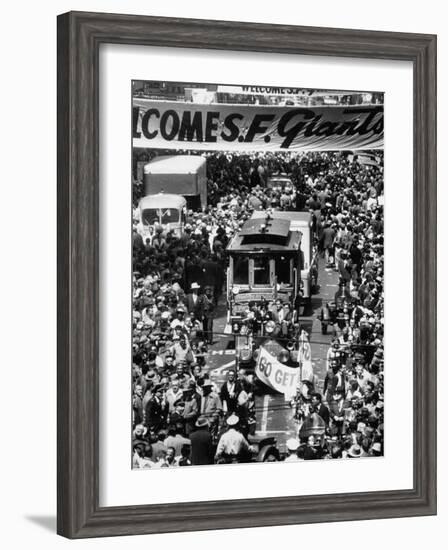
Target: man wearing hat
{"type": "Point", "coordinates": [179, 320]}
{"type": "Point", "coordinates": [181, 350]}
{"type": "Point", "coordinates": [208, 313]}
{"type": "Point", "coordinates": [211, 405]}
{"type": "Point", "coordinates": [201, 443]}
{"type": "Point", "coordinates": [334, 380]}
{"type": "Point", "coordinates": [173, 395]}
{"type": "Point", "coordinates": [176, 439]}
{"type": "Point", "coordinates": [355, 451]}
{"type": "Point", "coordinates": [291, 446]}
{"type": "Point", "coordinates": [156, 410]}
{"type": "Point", "coordinates": [190, 412]}
{"type": "Point", "coordinates": [319, 408]}
{"type": "Point", "coordinates": [194, 301]}
{"type": "Point", "coordinates": [333, 353]}
{"type": "Point", "coordinates": [337, 412]}
{"type": "Point", "coordinates": [376, 449]}
{"type": "Point", "coordinates": [327, 242]}
{"type": "Point", "coordinates": [230, 391]}
{"type": "Point", "coordinates": [342, 295]}
{"type": "Point", "coordinates": [169, 367]}
{"type": "Point", "coordinates": [232, 446]}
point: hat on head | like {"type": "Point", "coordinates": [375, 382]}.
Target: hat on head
{"type": "Point", "coordinates": [201, 422]}
{"type": "Point", "coordinates": [145, 429]}
{"type": "Point", "coordinates": [361, 427]}
{"type": "Point", "coordinates": [195, 286]}
{"type": "Point", "coordinates": [376, 448]}
{"type": "Point", "coordinates": [232, 420]}
{"type": "Point", "coordinates": [354, 451]}
{"type": "Point", "coordinates": [292, 444]}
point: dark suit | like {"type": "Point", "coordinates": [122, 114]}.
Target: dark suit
{"type": "Point", "coordinates": [211, 273]}
{"type": "Point", "coordinates": [155, 414]}
{"type": "Point", "coordinates": [208, 313]}
{"type": "Point", "coordinates": [356, 255]}
{"type": "Point", "coordinates": [344, 270]}
{"type": "Point", "coordinates": [328, 236]}
{"type": "Point", "coordinates": [231, 400]}
{"type": "Point", "coordinates": [333, 381]}
{"type": "Point", "coordinates": [201, 447]}
{"type": "Point", "coordinates": [193, 273]}
{"type": "Point", "coordinates": [195, 307]}
{"type": "Point", "coordinates": [324, 413]}
{"type": "Point", "coordinates": [336, 412]}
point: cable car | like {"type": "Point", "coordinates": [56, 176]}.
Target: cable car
{"type": "Point", "coordinates": [265, 263]}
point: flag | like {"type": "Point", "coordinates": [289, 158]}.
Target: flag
{"type": "Point", "coordinates": [304, 358]}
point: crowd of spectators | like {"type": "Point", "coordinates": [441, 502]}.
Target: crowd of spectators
{"type": "Point", "coordinates": [181, 417]}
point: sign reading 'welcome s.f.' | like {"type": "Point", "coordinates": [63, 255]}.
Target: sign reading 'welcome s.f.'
{"type": "Point", "coordinates": [176, 125]}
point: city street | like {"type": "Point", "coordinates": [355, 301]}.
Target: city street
{"type": "Point", "coordinates": [274, 414]}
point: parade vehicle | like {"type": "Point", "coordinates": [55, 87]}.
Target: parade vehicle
{"type": "Point", "coordinates": [161, 210]}
{"type": "Point", "coordinates": [184, 175]}
{"type": "Point", "coordinates": [265, 263]}
{"type": "Point", "coordinates": [301, 222]}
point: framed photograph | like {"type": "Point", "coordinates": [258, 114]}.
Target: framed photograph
{"type": "Point", "coordinates": [246, 275]}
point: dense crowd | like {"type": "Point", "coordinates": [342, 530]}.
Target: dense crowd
{"type": "Point", "coordinates": [181, 417]}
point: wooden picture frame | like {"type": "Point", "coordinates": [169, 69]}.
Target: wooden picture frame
{"type": "Point", "coordinates": [79, 37]}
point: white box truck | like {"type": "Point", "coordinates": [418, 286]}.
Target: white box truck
{"type": "Point", "coordinates": [184, 175]}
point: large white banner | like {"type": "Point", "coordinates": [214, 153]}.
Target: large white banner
{"type": "Point", "coordinates": [183, 125]}
{"type": "Point", "coordinates": [276, 375]}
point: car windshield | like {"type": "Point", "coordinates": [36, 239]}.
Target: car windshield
{"type": "Point", "coordinates": [150, 216]}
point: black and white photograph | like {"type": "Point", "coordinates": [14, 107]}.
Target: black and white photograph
{"type": "Point", "coordinates": [235, 274]}
{"type": "Point", "coordinates": [257, 274]}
